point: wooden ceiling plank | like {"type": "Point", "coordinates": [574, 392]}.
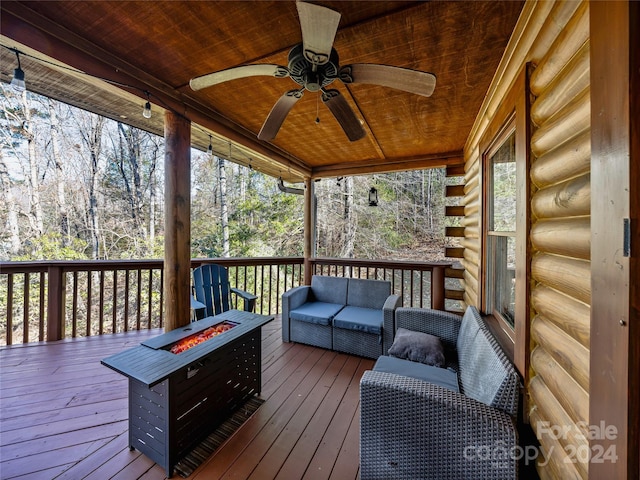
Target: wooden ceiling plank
{"type": "Point", "coordinates": [43, 36]}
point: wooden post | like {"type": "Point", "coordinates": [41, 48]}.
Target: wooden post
{"type": "Point", "coordinates": [309, 229]}
{"type": "Point", "coordinates": [177, 223]}
{"type": "Point", "coordinates": [614, 386]}
{"type": "Point", "coordinates": [56, 293]}
{"type": "Point", "coordinates": [437, 288]}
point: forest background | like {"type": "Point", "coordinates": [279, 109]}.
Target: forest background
{"type": "Point", "coordinates": [75, 185]}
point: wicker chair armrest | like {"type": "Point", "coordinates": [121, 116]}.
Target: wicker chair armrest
{"type": "Point", "coordinates": [388, 326]}
{"type": "Point", "coordinates": [292, 299]}
{"type": "Point", "coordinates": [443, 325]}
{"type": "Point", "coordinates": [415, 429]}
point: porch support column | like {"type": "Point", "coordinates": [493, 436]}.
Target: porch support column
{"type": "Point", "coordinates": [177, 220]}
{"type": "Point", "coordinates": [309, 229]}
{"type": "Point", "coordinates": [614, 383]}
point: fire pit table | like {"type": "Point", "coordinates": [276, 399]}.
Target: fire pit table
{"type": "Point", "coordinates": [178, 399]}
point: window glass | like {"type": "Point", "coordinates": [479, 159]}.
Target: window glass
{"type": "Point", "coordinates": [503, 183]}
{"type": "Point", "coordinates": [501, 251]}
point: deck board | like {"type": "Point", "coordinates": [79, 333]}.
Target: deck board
{"type": "Point", "coordinates": [64, 416]}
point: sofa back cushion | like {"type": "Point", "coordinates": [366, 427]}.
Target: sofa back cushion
{"type": "Point", "coordinates": [329, 289]}
{"type": "Point", "coordinates": [368, 293]}
{"type": "Point", "coordinates": [488, 376]}
{"type": "Point", "coordinates": [471, 323]}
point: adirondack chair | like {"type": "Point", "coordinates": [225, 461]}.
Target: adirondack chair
{"type": "Point", "coordinates": [211, 287]}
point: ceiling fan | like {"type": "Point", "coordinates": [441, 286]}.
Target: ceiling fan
{"type": "Point", "coordinates": [314, 64]}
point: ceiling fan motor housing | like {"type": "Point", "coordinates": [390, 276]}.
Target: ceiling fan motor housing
{"type": "Point", "coordinates": [310, 76]}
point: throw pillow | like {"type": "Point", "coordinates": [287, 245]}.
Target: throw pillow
{"type": "Point", "coordinates": [418, 347]}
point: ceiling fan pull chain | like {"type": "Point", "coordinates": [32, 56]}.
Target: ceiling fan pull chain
{"type": "Point", "coordinates": [318, 109]}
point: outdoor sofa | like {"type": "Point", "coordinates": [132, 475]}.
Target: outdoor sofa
{"type": "Point", "coordinates": [456, 421]}
{"type": "Point", "coordinates": [342, 314]}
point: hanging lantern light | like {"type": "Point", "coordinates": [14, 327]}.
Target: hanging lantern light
{"type": "Point", "coordinates": [373, 197]}
{"type": "Point", "coordinates": [18, 76]}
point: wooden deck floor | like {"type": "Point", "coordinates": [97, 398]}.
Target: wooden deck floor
{"type": "Point", "coordinates": [64, 416]}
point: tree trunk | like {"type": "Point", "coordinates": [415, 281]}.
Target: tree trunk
{"type": "Point", "coordinates": [349, 220]}
{"type": "Point", "coordinates": [93, 141]}
{"type": "Point", "coordinates": [35, 209]}
{"type": "Point", "coordinates": [60, 178]}
{"type": "Point", "coordinates": [12, 211]}
{"type": "Point", "coordinates": [130, 143]}
{"type": "Point", "coordinates": [224, 216]}
{"type": "Point", "coordinates": [152, 207]}
{"type": "Point", "coordinates": [429, 206]}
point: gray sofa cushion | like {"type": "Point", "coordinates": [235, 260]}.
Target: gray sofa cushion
{"type": "Point", "coordinates": [329, 289]}
{"type": "Point", "coordinates": [320, 313]}
{"type": "Point", "coordinates": [485, 373]}
{"type": "Point", "coordinates": [367, 293]}
{"type": "Point", "coordinates": [368, 320]}
{"type": "Point", "coordinates": [471, 324]}
{"type": "Point", "coordinates": [438, 376]}
{"type": "Point", "coordinates": [418, 347]}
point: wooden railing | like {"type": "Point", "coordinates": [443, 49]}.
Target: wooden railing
{"type": "Point", "coordinates": [52, 300]}
{"type": "Point", "coordinates": [420, 284]}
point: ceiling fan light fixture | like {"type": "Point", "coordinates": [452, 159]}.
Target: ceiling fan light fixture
{"type": "Point", "coordinates": [314, 64]}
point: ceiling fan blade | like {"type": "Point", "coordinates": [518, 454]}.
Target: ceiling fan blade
{"type": "Point", "coordinates": [412, 81]}
{"type": "Point", "coordinates": [319, 26]}
{"type": "Point", "coordinates": [215, 78]}
{"type": "Point", "coordinates": [278, 113]}
{"type": "Point", "coordinates": [343, 114]}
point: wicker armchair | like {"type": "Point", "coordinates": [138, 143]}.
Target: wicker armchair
{"type": "Point", "coordinates": [416, 429]}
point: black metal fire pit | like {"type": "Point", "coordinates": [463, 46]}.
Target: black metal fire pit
{"type": "Point", "coordinates": [177, 399]}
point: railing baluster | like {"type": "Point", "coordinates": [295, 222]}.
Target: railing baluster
{"type": "Point", "coordinates": [150, 298]}
{"type": "Point", "coordinates": [41, 308]}
{"type": "Point", "coordinates": [114, 304]}
{"type": "Point", "coordinates": [89, 303]}
{"type": "Point", "coordinates": [10, 309]}
{"type": "Point", "coordinates": [126, 301]}
{"type": "Point", "coordinates": [25, 310]}
{"type": "Point", "coordinates": [161, 299]}
{"type": "Point", "coordinates": [101, 305]}
{"type": "Point", "coordinates": [74, 306]}
{"type": "Point", "coordinates": [138, 298]}
{"type": "Point", "coordinates": [411, 280]}
{"type": "Point", "coordinates": [277, 290]}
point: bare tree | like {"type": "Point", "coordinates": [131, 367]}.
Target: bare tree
{"type": "Point", "coordinates": [349, 219]}
{"type": "Point", "coordinates": [60, 176]}
{"type": "Point", "coordinates": [35, 207]}
{"type": "Point", "coordinates": [91, 134]}
{"type": "Point", "coordinates": [12, 210]}
{"type": "Point", "coordinates": [224, 216]}
{"type": "Point", "coordinates": [128, 160]}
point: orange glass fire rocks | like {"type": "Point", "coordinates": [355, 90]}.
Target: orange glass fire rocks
{"type": "Point", "coordinates": [197, 338]}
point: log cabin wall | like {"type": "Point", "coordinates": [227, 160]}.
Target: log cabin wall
{"type": "Point", "coordinates": [554, 38]}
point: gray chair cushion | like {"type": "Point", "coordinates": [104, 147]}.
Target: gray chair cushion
{"type": "Point", "coordinates": [319, 313]}
{"type": "Point", "coordinates": [367, 293]}
{"type": "Point", "coordinates": [471, 324]}
{"type": "Point", "coordinates": [368, 320]}
{"type": "Point", "coordinates": [329, 289]}
{"type": "Point", "coordinates": [484, 373]}
{"type": "Point", "coordinates": [438, 376]}
{"type": "Point", "coordinates": [418, 347]}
